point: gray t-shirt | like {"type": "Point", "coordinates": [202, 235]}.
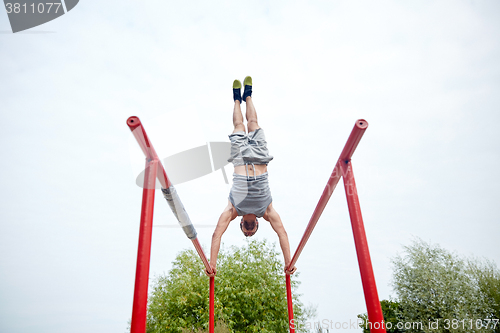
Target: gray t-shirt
{"type": "Point", "coordinates": [250, 195]}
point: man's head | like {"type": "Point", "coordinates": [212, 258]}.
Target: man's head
{"type": "Point", "coordinates": [249, 224]}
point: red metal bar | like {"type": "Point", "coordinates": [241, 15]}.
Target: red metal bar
{"type": "Point", "coordinates": [211, 323]}
{"type": "Point", "coordinates": [325, 196]}
{"type": "Point", "coordinates": [291, 321]}
{"type": "Point", "coordinates": [351, 144]}
{"type": "Point", "coordinates": [135, 125]}
{"type": "Point", "coordinates": [202, 255]}
{"type": "Point", "coordinates": [138, 324]}
{"type": "Point", "coordinates": [142, 138]}
{"type": "Point", "coordinates": [375, 315]}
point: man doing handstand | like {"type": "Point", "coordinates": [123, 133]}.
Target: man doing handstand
{"type": "Point", "coordinates": [250, 196]}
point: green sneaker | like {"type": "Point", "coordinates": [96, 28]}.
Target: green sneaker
{"type": "Point", "coordinates": [237, 90]}
{"type": "Point", "coordinates": [248, 87]}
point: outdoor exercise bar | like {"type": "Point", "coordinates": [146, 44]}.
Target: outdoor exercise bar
{"type": "Point", "coordinates": [343, 167]}
{"type": "Point", "coordinates": [155, 170]}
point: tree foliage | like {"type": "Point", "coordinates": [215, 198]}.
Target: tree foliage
{"type": "Point", "coordinates": [392, 314]}
{"type": "Point", "coordinates": [438, 291]}
{"type": "Point", "coordinates": [487, 277]}
{"type": "Point", "coordinates": [250, 293]}
{"type": "Point", "coordinates": [433, 284]}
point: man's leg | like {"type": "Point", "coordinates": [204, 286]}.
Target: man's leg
{"type": "Point", "coordinates": [237, 115]}
{"type": "Point", "coordinates": [251, 114]}
{"type": "Point", "coordinates": [238, 118]}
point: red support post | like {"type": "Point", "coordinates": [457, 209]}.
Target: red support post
{"type": "Point", "coordinates": [138, 324]}
{"type": "Point", "coordinates": [375, 315]}
{"type": "Point", "coordinates": [211, 313]}
{"type": "Point", "coordinates": [291, 320]}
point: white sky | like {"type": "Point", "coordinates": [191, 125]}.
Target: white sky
{"type": "Point", "coordinates": [426, 76]}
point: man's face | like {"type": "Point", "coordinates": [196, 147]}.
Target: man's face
{"type": "Point", "coordinates": [249, 224]}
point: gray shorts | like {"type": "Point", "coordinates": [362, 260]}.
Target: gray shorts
{"type": "Point", "coordinates": [249, 148]}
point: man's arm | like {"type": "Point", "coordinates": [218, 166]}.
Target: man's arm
{"type": "Point", "coordinates": [227, 216]}
{"type": "Point", "coordinates": [273, 217]}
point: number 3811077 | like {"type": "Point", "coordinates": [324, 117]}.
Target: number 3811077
{"type": "Point", "coordinates": [469, 324]}
{"type": "Point", "coordinates": [17, 8]}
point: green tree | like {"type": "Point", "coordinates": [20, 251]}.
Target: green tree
{"type": "Point", "coordinates": [487, 276]}
{"type": "Point", "coordinates": [250, 293]}
{"type": "Point", "coordinates": [433, 284]}
{"type": "Point", "coordinates": [392, 314]}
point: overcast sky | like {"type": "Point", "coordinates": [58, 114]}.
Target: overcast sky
{"type": "Point", "coordinates": [425, 75]}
